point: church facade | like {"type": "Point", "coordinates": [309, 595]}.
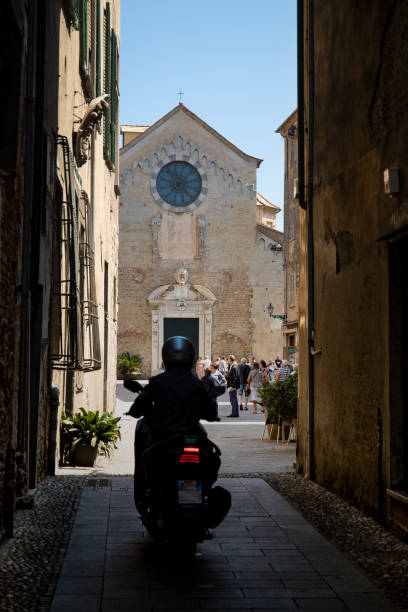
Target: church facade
{"type": "Point", "coordinates": [195, 259]}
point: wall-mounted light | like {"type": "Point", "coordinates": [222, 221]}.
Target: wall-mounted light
{"type": "Point", "coordinates": [270, 309]}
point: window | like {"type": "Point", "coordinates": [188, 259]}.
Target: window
{"type": "Point", "coordinates": [291, 223]}
{"type": "Point", "coordinates": [398, 388]}
{"type": "Point", "coordinates": [291, 291]}
{"type": "Point", "coordinates": [85, 12]}
{"type": "Point", "coordinates": [291, 152]}
{"type": "Point", "coordinates": [111, 62]}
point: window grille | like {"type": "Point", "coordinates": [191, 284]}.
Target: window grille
{"type": "Point", "coordinates": [67, 352]}
{"type": "Point", "coordinates": [89, 306]}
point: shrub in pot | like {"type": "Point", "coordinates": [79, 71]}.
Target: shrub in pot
{"type": "Point", "coordinates": [86, 434]}
{"type": "Point", "coordinates": [129, 365]}
{"type": "Point", "coordinates": [281, 399]}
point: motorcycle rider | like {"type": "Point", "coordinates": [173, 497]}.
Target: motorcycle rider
{"type": "Point", "coordinates": [172, 403]}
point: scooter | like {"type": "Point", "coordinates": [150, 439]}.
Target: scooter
{"type": "Point", "coordinates": [174, 490]}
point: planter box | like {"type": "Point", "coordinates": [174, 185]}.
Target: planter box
{"type": "Point", "coordinates": [84, 455]}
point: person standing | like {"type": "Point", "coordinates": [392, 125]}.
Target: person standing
{"type": "Point", "coordinates": [244, 371]}
{"type": "Point", "coordinates": [284, 371]}
{"type": "Point", "coordinates": [222, 366]}
{"type": "Point", "coordinates": [255, 383]}
{"type": "Point", "coordinates": [208, 381]}
{"type": "Point", "coordinates": [278, 362]}
{"type": "Point", "coordinates": [207, 362]}
{"type": "Point", "coordinates": [233, 385]}
{"type": "Point", "coordinates": [200, 367]}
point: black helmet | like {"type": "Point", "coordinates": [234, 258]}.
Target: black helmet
{"type": "Point", "coordinates": [178, 351]}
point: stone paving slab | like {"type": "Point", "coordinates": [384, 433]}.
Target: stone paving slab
{"type": "Point", "coordinates": [265, 556]}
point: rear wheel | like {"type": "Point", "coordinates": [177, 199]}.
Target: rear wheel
{"type": "Point", "coordinates": [186, 549]}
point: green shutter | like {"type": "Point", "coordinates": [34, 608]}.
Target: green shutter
{"type": "Point", "coordinates": [77, 13]}
{"type": "Point", "coordinates": [98, 48]}
{"type": "Point", "coordinates": [107, 83]}
{"type": "Point", "coordinates": [114, 95]}
{"type": "Point", "coordinates": [83, 36]}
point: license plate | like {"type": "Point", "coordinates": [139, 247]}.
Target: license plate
{"type": "Point", "coordinates": [189, 492]}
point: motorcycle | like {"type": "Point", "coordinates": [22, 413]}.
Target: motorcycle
{"type": "Point", "coordinates": [174, 490]}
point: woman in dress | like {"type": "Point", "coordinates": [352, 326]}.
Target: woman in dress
{"type": "Point", "coordinates": [255, 383]}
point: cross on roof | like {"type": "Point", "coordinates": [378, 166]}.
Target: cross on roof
{"type": "Point", "coordinates": [180, 93]}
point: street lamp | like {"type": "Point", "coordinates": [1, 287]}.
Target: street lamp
{"type": "Point", "coordinates": [270, 309]}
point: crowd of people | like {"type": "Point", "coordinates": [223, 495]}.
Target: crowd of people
{"type": "Point", "coordinates": [243, 381]}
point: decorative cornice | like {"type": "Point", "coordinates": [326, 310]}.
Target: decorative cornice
{"type": "Point", "coordinates": [179, 149]}
{"type": "Point", "coordinates": [181, 108]}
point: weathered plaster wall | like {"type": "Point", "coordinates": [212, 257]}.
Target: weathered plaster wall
{"type": "Point", "coordinates": [361, 128]}
{"type": "Point", "coordinates": [91, 389]}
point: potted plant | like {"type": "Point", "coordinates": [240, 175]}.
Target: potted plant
{"type": "Point", "coordinates": [281, 400]}
{"type": "Point", "coordinates": [129, 365]}
{"type": "Point", "coordinates": [86, 434]}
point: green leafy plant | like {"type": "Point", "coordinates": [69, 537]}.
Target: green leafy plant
{"type": "Point", "coordinates": [280, 398]}
{"type": "Point", "coordinates": [100, 431]}
{"type": "Point", "coordinates": [129, 364]}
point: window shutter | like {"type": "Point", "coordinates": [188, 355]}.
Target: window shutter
{"type": "Point", "coordinates": [83, 35]}
{"type": "Point", "coordinates": [107, 82]}
{"type": "Point", "coordinates": [77, 12]}
{"type": "Point", "coordinates": [114, 95]}
{"type": "Point", "coordinates": [98, 49]}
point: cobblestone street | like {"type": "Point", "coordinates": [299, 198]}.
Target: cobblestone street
{"type": "Point", "coordinates": [265, 555]}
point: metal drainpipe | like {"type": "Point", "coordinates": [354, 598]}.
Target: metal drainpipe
{"type": "Point", "coordinates": [308, 206]}
{"type": "Point", "coordinates": [301, 104]}
{"type": "Point", "coordinates": [24, 288]}
{"type": "Point", "coordinates": [310, 245]}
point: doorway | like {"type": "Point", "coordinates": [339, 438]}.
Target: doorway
{"type": "Point", "coordinates": [181, 326]}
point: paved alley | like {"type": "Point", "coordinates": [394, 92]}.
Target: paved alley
{"type": "Point", "coordinates": [265, 555]}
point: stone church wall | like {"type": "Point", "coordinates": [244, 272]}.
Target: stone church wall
{"type": "Point", "coordinates": [216, 242]}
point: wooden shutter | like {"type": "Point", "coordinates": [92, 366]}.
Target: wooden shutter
{"type": "Point", "coordinates": [107, 81]}
{"type": "Point", "coordinates": [83, 34]}
{"type": "Point", "coordinates": [114, 94]}
{"type": "Point", "coordinates": [77, 12]}
{"type": "Point", "coordinates": [98, 48]}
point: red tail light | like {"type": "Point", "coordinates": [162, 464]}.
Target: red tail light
{"type": "Point", "coordinates": [190, 455]}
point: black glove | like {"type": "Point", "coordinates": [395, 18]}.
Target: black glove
{"type": "Point", "coordinates": [133, 385]}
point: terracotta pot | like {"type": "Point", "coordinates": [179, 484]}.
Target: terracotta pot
{"type": "Point", "coordinates": [131, 376]}
{"type": "Point", "coordinates": [84, 455]}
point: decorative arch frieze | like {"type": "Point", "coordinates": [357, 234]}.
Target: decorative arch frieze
{"type": "Point", "coordinates": [181, 150]}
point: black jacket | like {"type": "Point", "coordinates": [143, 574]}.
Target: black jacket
{"type": "Point", "coordinates": [174, 401]}
{"type": "Point", "coordinates": [233, 377]}
{"type": "Point", "coordinates": [244, 371]}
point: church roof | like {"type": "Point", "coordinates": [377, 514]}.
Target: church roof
{"type": "Point", "coordinates": [282, 129]}
{"type": "Point", "coordinates": [270, 232]}
{"type": "Point", "coordinates": [262, 201]}
{"type": "Point", "coordinates": [181, 108]}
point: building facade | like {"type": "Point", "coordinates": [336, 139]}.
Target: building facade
{"type": "Point", "coordinates": [193, 260]}
{"type": "Point", "coordinates": [85, 277]}
{"type": "Point", "coordinates": [48, 231]}
{"type": "Point", "coordinates": [288, 130]}
{"type": "Point", "coordinates": [353, 435]}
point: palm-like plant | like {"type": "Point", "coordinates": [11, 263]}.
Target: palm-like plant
{"type": "Point", "coordinates": [129, 363]}
{"type": "Point", "coordinates": [281, 398]}
{"type": "Point", "coordinates": [87, 427]}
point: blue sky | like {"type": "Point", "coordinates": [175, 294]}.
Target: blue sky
{"type": "Point", "coordinates": [235, 61]}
